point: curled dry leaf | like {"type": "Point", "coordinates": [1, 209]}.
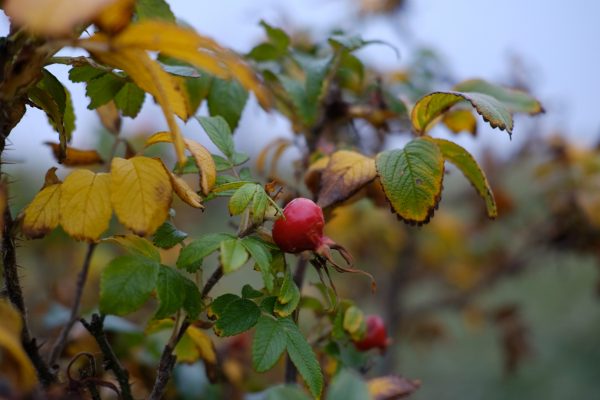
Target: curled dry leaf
{"type": "Point", "coordinates": [184, 191]}
{"type": "Point", "coordinates": [42, 214]}
{"type": "Point", "coordinates": [85, 208]}
{"type": "Point", "coordinates": [202, 158]}
{"type": "Point", "coordinates": [279, 146]}
{"type": "Point", "coordinates": [76, 157]}
{"type": "Point", "coordinates": [141, 193]}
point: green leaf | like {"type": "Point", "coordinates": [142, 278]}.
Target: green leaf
{"type": "Point", "coordinates": [353, 43]}
{"type": "Point", "coordinates": [197, 90]}
{"type": "Point", "coordinates": [84, 73]}
{"type": "Point", "coordinates": [154, 9]}
{"type": "Point", "coordinates": [260, 203]}
{"type": "Point", "coordinates": [233, 255]}
{"type": "Point", "coordinates": [175, 291]}
{"type": "Point", "coordinates": [191, 256]}
{"type": "Point", "coordinates": [236, 316]}
{"type": "Point", "coordinates": [412, 179]}
{"type": "Point", "coordinates": [515, 100]}
{"type": "Point", "coordinates": [135, 245]}
{"type": "Point", "coordinates": [428, 108]}
{"type": "Point", "coordinates": [130, 99]}
{"type": "Point", "coordinates": [221, 164]}
{"type": "Point", "coordinates": [285, 392]}
{"type": "Point", "coordinates": [248, 292]}
{"type": "Point", "coordinates": [354, 322]}
{"type": "Point", "coordinates": [348, 385]}
{"type": "Point", "coordinates": [275, 48]}
{"type": "Point", "coordinates": [167, 236]}
{"type": "Point", "coordinates": [189, 167]}
{"type": "Point", "coordinates": [465, 162]}
{"type": "Point", "coordinates": [55, 100]}
{"type": "Point", "coordinates": [241, 198]}
{"type": "Point", "coordinates": [126, 283]}
{"type": "Point", "coordinates": [269, 343]}
{"type": "Point", "coordinates": [103, 89]}
{"type": "Point", "coordinates": [218, 306]}
{"type": "Point", "coordinates": [303, 357]}
{"type": "Point", "coordinates": [261, 253]}
{"type": "Point", "coordinates": [227, 98]}
{"type": "Point", "coordinates": [289, 296]}
{"type": "Point", "coordinates": [219, 133]}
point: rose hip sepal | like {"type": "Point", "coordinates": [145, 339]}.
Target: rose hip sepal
{"type": "Point", "coordinates": [375, 336]}
{"type": "Point", "coordinates": [301, 229]}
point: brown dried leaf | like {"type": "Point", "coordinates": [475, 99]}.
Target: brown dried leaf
{"type": "Point", "coordinates": [346, 172]}
{"type": "Point", "coordinates": [110, 117]}
{"type": "Point", "coordinates": [392, 387]}
{"type": "Point", "coordinates": [76, 157]}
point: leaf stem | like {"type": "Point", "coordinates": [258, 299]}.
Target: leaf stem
{"type": "Point", "coordinates": [111, 362]}
{"type": "Point", "coordinates": [61, 341]}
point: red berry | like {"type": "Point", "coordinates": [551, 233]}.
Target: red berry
{"type": "Point", "coordinates": [376, 335]}
{"type": "Point", "coordinates": [302, 227]}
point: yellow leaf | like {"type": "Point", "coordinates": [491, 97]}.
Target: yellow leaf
{"type": "Point", "coordinates": [460, 120]}
{"type": "Point", "coordinates": [202, 157]}
{"type": "Point", "coordinates": [159, 137]}
{"type": "Point", "coordinates": [150, 77]}
{"type": "Point", "coordinates": [203, 344]}
{"type": "Point", "coordinates": [185, 192]}
{"type": "Point", "coordinates": [76, 157]}
{"type": "Point", "coordinates": [187, 45]}
{"type": "Point", "coordinates": [53, 17]}
{"type": "Point", "coordinates": [346, 172]}
{"type": "Point", "coordinates": [205, 163]}
{"type": "Point", "coordinates": [391, 387]}
{"type": "Point", "coordinates": [141, 193]}
{"type": "Point", "coordinates": [42, 214]}
{"type": "Point", "coordinates": [115, 17]}
{"type": "Point", "coordinates": [14, 362]}
{"type": "Point", "coordinates": [85, 209]}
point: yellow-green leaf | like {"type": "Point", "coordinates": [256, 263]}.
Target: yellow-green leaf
{"type": "Point", "coordinates": [515, 100]}
{"type": "Point", "coordinates": [185, 192]}
{"type": "Point", "coordinates": [464, 161]}
{"type": "Point", "coordinates": [354, 322]}
{"type": "Point", "coordinates": [430, 107]}
{"type": "Point", "coordinates": [42, 214]}
{"type": "Point", "coordinates": [85, 208]}
{"type": "Point", "coordinates": [205, 163]}
{"type": "Point", "coordinates": [141, 193]}
{"type": "Point", "coordinates": [135, 245]}
{"type": "Point", "coordinates": [412, 179]}
{"type": "Point", "coordinates": [233, 255]}
{"type": "Point", "coordinates": [346, 172]}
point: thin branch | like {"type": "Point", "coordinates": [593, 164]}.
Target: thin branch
{"type": "Point", "coordinates": [291, 372]}
{"type": "Point", "coordinates": [61, 341]}
{"type": "Point", "coordinates": [167, 359]}
{"type": "Point", "coordinates": [15, 295]}
{"type": "Point", "coordinates": [111, 362]}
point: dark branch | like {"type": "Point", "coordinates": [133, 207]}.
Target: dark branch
{"type": "Point", "coordinates": [59, 346]}
{"type": "Point", "coordinates": [111, 362]}
{"type": "Point", "coordinates": [167, 359]}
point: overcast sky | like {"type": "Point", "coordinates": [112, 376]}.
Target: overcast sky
{"type": "Point", "coordinates": [556, 40]}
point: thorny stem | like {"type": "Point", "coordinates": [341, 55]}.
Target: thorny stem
{"type": "Point", "coordinates": [291, 372]}
{"type": "Point", "coordinates": [60, 343]}
{"type": "Point", "coordinates": [111, 362]}
{"type": "Point", "coordinates": [167, 359]}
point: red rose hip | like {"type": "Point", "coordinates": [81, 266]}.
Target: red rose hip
{"type": "Point", "coordinates": [301, 228]}
{"type": "Point", "coordinates": [376, 335]}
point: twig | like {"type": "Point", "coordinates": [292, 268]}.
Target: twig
{"type": "Point", "coordinates": [61, 341]}
{"type": "Point", "coordinates": [167, 359]}
{"type": "Point", "coordinates": [111, 362]}
{"type": "Point", "coordinates": [291, 372]}
{"type": "Point", "coordinates": [15, 295]}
